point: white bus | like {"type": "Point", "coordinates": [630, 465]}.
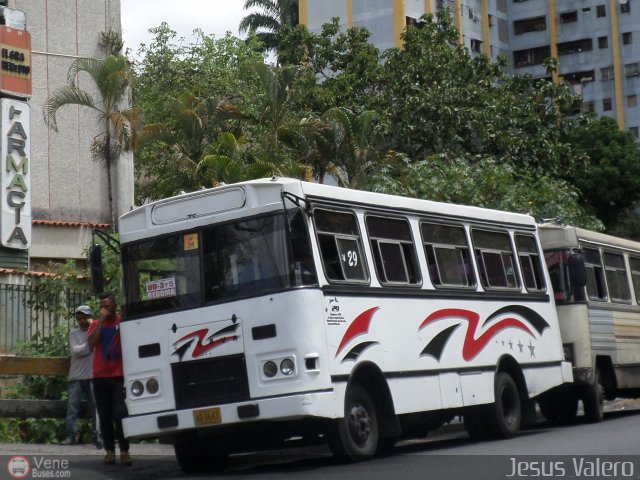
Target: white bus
{"type": "Point", "coordinates": [596, 280]}
{"type": "Point", "coordinates": [277, 309]}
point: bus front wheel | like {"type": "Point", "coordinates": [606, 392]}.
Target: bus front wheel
{"type": "Point", "coordinates": [199, 455]}
{"type": "Point", "coordinates": [593, 399]}
{"type": "Point", "coordinates": [355, 436]}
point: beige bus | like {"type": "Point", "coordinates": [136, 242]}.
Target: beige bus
{"type": "Point", "coordinates": [596, 284]}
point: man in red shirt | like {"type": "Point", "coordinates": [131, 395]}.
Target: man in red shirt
{"type": "Point", "coordinates": [108, 379]}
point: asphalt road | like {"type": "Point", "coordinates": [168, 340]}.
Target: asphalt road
{"type": "Point", "coordinates": [575, 450]}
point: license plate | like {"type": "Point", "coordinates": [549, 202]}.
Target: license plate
{"type": "Point", "coordinates": [207, 416]}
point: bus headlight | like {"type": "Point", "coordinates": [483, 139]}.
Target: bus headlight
{"type": "Point", "coordinates": [143, 387]}
{"type": "Point", "coordinates": [137, 388]}
{"type": "Point", "coordinates": [278, 368]}
{"type": "Point", "coordinates": [152, 386]}
{"type": "Point", "coordinates": [270, 369]}
{"type": "Point", "coordinates": [287, 367]}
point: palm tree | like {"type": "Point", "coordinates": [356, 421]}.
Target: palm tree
{"type": "Point", "coordinates": [353, 134]}
{"type": "Point", "coordinates": [121, 122]}
{"type": "Point", "coordinates": [274, 14]}
{"type": "Point", "coordinates": [195, 122]}
{"type": "Point", "coordinates": [276, 83]}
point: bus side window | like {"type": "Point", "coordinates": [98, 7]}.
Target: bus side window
{"type": "Point", "coordinates": [530, 263]}
{"type": "Point", "coordinates": [393, 250]}
{"type": "Point", "coordinates": [616, 275]}
{"type": "Point", "coordinates": [596, 289]}
{"type": "Point", "coordinates": [495, 259]}
{"type": "Point", "coordinates": [634, 263]}
{"type": "Point", "coordinates": [340, 245]}
{"type": "Point", "coordinates": [448, 257]}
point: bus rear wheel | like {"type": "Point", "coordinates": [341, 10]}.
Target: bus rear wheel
{"type": "Point", "coordinates": [505, 415]}
{"type": "Point", "coordinates": [559, 407]}
{"type": "Point", "coordinates": [355, 436]}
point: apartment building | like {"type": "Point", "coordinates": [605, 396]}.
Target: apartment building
{"type": "Point", "coordinates": [54, 193]}
{"type": "Point", "coordinates": [597, 42]}
{"type": "Point", "coordinates": [68, 189]}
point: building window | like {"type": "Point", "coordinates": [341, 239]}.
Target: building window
{"type": "Point", "coordinates": [632, 101]}
{"type": "Point", "coordinates": [606, 104]}
{"type": "Point", "coordinates": [606, 73]}
{"type": "Point", "coordinates": [576, 46]}
{"type": "Point", "coordinates": [603, 42]}
{"type": "Point", "coordinates": [632, 69]}
{"type": "Point", "coordinates": [529, 25]}
{"type": "Point", "coordinates": [568, 17]}
{"type": "Point", "coordinates": [579, 77]}
{"type": "Point", "coordinates": [476, 45]}
{"type": "Point", "coordinates": [634, 131]}
{"type": "Point", "coordinates": [587, 107]}
{"type": "Point", "coordinates": [531, 56]}
{"type": "Point", "coordinates": [627, 38]}
{"type": "Point", "coordinates": [601, 11]}
{"type": "Point", "coordinates": [413, 22]}
{"type": "Point", "coordinates": [625, 7]}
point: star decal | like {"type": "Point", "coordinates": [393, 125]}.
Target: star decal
{"type": "Point", "coordinates": [531, 349]}
{"type": "Point", "coordinates": [520, 346]}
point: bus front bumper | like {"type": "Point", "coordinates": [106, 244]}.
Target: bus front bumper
{"type": "Point", "coordinates": [282, 408]}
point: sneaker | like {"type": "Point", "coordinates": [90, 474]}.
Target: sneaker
{"type": "Point", "coordinates": [68, 441]}
{"type": "Point", "coordinates": [110, 458]}
{"type": "Point", "coordinates": [125, 459]}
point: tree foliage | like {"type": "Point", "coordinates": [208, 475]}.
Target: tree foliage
{"type": "Point", "coordinates": [430, 119]}
{"type": "Point", "coordinates": [439, 98]}
{"type": "Point", "coordinates": [610, 181]}
{"type": "Point", "coordinates": [271, 17]}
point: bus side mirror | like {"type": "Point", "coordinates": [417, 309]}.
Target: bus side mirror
{"type": "Point", "coordinates": [577, 270]}
{"type": "Point", "coordinates": [95, 258]}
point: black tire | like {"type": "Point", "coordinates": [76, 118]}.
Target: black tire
{"type": "Point", "coordinates": [199, 455]}
{"type": "Point", "coordinates": [474, 423]}
{"type": "Point", "coordinates": [355, 437]}
{"type": "Point", "coordinates": [561, 407]}
{"type": "Point", "coordinates": [504, 418]}
{"type": "Point", "coordinates": [386, 446]}
{"type": "Point", "coordinates": [593, 400]}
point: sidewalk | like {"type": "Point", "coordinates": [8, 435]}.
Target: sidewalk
{"type": "Point", "coordinates": [144, 449]}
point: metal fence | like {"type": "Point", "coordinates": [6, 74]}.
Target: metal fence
{"type": "Point", "coordinates": [21, 320]}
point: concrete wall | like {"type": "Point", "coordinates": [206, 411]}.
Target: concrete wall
{"type": "Point", "coordinates": [67, 183]}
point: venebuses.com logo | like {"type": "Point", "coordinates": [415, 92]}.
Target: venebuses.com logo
{"type": "Point", "coordinates": [18, 467]}
{"type": "Point", "coordinates": [38, 467]}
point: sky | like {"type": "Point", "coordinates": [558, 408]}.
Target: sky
{"type": "Point", "coordinates": [212, 16]}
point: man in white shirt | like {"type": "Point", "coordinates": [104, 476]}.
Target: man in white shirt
{"type": "Point", "coordinates": [79, 378]}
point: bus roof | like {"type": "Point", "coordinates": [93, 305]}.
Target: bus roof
{"type": "Point", "coordinates": [227, 202]}
{"type": "Point", "coordinates": [557, 235]}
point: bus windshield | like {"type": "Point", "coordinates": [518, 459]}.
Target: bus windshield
{"type": "Point", "coordinates": [217, 263]}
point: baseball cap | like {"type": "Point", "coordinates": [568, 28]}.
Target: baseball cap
{"type": "Point", "coordinates": [85, 309]}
